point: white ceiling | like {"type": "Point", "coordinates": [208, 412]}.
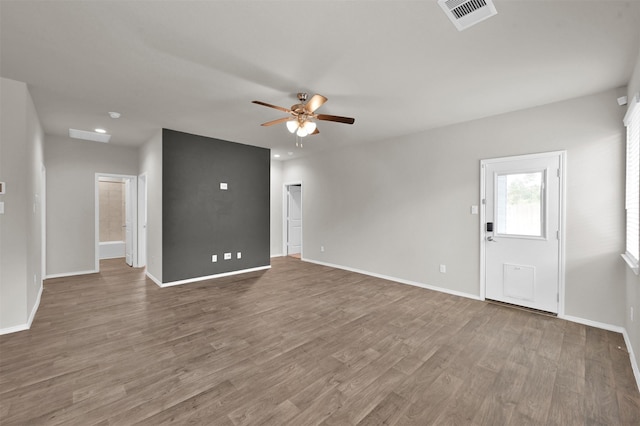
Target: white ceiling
{"type": "Point", "coordinates": [398, 67]}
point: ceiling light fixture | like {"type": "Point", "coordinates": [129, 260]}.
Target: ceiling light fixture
{"type": "Point", "coordinates": [100, 130]}
{"type": "Point", "coordinates": [303, 115]}
{"type": "Point", "coordinates": [301, 127]}
{"type": "Point", "coordinates": [276, 155]}
{"type": "Point", "coordinates": [292, 125]}
{"type": "Point", "coordinates": [114, 114]}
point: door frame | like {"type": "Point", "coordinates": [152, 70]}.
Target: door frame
{"type": "Point", "coordinates": [562, 155]}
{"type": "Point", "coordinates": [141, 252]}
{"type": "Point", "coordinates": [285, 217]}
{"type": "Point", "coordinates": [43, 223]}
{"type": "Point", "coordinates": [133, 200]}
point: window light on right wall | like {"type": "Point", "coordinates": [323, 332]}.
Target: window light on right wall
{"type": "Point", "coordinates": [632, 188]}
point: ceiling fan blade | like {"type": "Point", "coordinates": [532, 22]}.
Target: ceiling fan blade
{"type": "Point", "coordinates": [315, 132]}
{"type": "Point", "coordinates": [315, 102]}
{"type": "Point", "coordinates": [272, 106]}
{"type": "Point", "coordinates": [337, 118]}
{"type": "Point", "coordinates": [278, 121]}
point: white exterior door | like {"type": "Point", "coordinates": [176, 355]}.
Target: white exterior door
{"type": "Point", "coordinates": [294, 222]}
{"type": "Point", "coordinates": [522, 230]}
{"type": "Point", "coordinates": [128, 218]}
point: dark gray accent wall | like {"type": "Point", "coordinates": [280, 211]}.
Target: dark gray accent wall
{"type": "Point", "coordinates": [199, 219]}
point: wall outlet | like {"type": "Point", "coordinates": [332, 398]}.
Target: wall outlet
{"type": "Point", "coordinates": [443, 269]}
{"type": "Point", "coordinates": [224, 186]}
{"type": "Point", "coordinates": [214, 257]}
{"type": "Point", "coordinates": [227, 256]}
{"type": "Point", "coordinates": [239, 255]}
{"type": "Point", "coordinates": [322, 248]}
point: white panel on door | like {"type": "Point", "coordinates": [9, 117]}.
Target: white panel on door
{"type": "Point", "coordinates": [520, 281]}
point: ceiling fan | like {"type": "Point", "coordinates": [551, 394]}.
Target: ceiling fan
{"type": "Point", "coordinates": [302, 115]}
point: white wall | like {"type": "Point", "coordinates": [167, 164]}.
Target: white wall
{"type": "Point", "coordinates": [21, 162]}
{"type": "Point", "coordinates": [632, 281]}
{"type": "Point", "coordinates": [151, 164]}
{"type": "Point", "coordinates": [71, 168]}
{"type": "Point", "coordinates": [402, 207]}
{"type": "Point", "coordinates": [276, 208]}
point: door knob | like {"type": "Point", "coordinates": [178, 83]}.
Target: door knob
{"type": "Point", "coordinates": [490, 238]}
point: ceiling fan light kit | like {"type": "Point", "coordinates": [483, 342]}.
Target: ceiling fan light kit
{"type": "Point", "coordinates": [302, 115]}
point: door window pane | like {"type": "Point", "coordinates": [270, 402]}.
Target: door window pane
{"type": "Point", "coordinates": [519, 204]}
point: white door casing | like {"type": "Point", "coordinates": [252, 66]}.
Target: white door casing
{"type": "Point", "coordinates": [294, 219]}
{"type": "Point", "coordinates": [523, 200]}
{"type": "Point", "coordinates": [128, 219]}
{"type": "Point", "coordinates": [142, 221]}
{"type": "Point", "coordinates": [131, 246]}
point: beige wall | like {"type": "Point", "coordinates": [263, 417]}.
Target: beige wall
{"type": "Point", "coordinates": [21, 168]}
{"type": "Point", "coordinates": [401, 207]}
{"type": "Point", "coordinates": [71, 173]}
{"type": "Point", "coordinates": [111, 205]}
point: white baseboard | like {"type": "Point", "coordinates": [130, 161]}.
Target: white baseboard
{"type": "Point", "coordinates": [398, 280]}
{"type": "Point", "coordinates": [154, 279]}
{"type": "Point", "coordinates": [111, 249]}
{"type": "Point", "coordinates": [209, 277]}
{"type": "Point", "coordinates": [632, 356]}
{"type": "Point", "coordinates": [591, 323]}
{"type": "Point", "coordinates": [14, 329]}
{"type": "Point", "coordinates": [277, 255]}
{"type": "Point", "coordinates": [71, 274]}
{"type": "Point", "coordinates": [32, 315]}
{"type": "Point", "coordinates": [36, 305]}
{"type": "Point", "coordinates": [614, 328]}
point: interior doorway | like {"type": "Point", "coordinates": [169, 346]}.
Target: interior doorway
{"type": "Point", "coordinates": [522, 232]}
{"type": "Point", "coordinates": [292, 225]}
{"type": "Point", "coordinates": [116, 210]}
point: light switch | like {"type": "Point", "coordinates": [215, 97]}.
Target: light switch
{"type": "Point", "coordinates": [474, 209]}
{"type": "Point", "coordinates": [1, 207]}
{"type": "Point", "coordinates": [223, 186]}
{"type": "Point", "coordinates": [227, 256]}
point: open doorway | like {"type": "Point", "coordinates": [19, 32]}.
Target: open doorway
{"type": "Point", "coordinates": [116, 218]}
{"type": "Point", "coordinates": [292, 226]}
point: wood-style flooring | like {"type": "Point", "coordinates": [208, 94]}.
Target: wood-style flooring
{"type": "Point", "coordinates": [302, 344]}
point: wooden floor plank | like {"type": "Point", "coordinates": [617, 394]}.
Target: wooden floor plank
{"type": "Point", "coordinates": [302, 344]}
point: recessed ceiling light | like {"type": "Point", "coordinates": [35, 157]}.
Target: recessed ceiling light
{"type": "Point", "coordinates": [114, 114]}
{"type": "Point", "coordinates": [100, 131]}
{"type": "Point", "coordinates": [276, 155]}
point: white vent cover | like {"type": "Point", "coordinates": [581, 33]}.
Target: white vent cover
{"type": "Point", "coordinates": [465, 13]}
{"type": "Point", "coordinates": [89, 136]}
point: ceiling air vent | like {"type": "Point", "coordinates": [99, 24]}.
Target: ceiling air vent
{"type": "Point", "coordinates": [465, 13]}
{"type": "Point", "coordinates": [89, 136]}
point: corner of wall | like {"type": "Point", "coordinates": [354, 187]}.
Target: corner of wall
{"type": "Point", "coordinates": [151, 164]}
